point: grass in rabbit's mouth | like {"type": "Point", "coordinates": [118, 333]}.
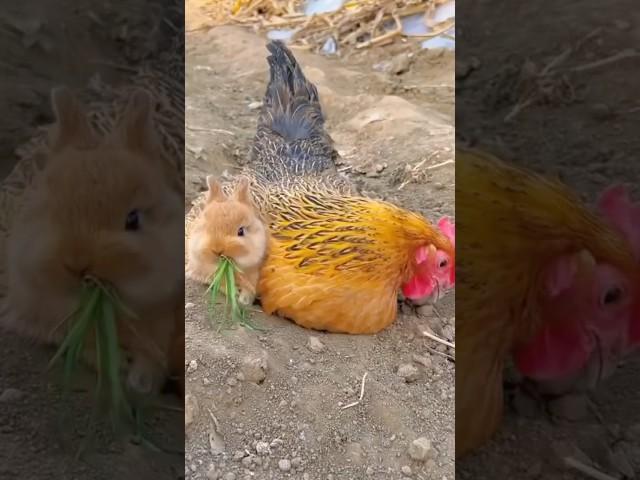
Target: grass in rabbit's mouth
{"type": "Point", "coordinates": [225, 274]}
{"type": "Point", "coordinates": [97, 309]}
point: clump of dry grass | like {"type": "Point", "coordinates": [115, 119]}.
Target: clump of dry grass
{"type": "Point", "coordinates": [357, 24]}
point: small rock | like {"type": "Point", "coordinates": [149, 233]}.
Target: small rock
{"type": "Point", "coordinates": [191, 409]}
{"type": "Point", "coordinates": [425, 310]}
{"type": "Point", "coordinates": [408, 372]}
{"type": "Point", "coordinates": [296, 462]}
{"type": "Point", "coordinates": [400, 64]}
{"type": "Point", "coordinates": [262, 448]}
{"type": "Point", "coordinates": [193, 366]}
{"type": "Point", "coordinates": [315, 345]}
{"type": "Point", "coordinates": [419, 449]}
{"type": "Point", "coordinates": [254, 369]}
{"type": "Point", "coordinates": [255, 105]}
{"type": "Point", "coordinates": [370, 471]}
{"type": "Point", "coordinates": [238, 455]}
{"type": "Point", "coordinates": [284, 465]}
{"type": "Point", "coordinates": [247, 462]}
{"type": "Point", "coordinates": [229, 476]}
{"type": "Point", "coordinates": [406, 471]}
{"type": "Point", "coordinates": [11, 395]}
{"type": "Point", "coordinates": [189, 305]}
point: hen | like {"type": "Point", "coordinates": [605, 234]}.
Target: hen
{"type": "Point", "coordinates": [336, 260]}
{"type": "Point", "coordinates": [541, 278]}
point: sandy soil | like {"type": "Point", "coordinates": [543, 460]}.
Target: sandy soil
{"type": "Point", "coordinates": [262, 404]}
{"type": "Point", "coordinates": [591, 141]}
{"type": "Point", "coordinates": [47, 44]}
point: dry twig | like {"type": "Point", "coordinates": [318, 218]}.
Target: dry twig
{"type": "Point", "coordinates": [364, 377]}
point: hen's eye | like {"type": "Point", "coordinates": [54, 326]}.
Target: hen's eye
{"type": "Point", "coordinates": [241, 232]}
{"type": "Point", "coordinates": [611, 296]}
{"type": "Point", "coordinates": [132, 223]}
{"type": "Point", "coordinates": [444, 263]}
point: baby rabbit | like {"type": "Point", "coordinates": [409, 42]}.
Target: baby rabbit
{"type": "Point", "coordinates": [103, 208]}
{"type": "Point", "coordinates": [230, 227]}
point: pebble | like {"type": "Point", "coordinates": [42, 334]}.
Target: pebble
{"type": "Point", "coordinates": [284, 465]}
{"type": "Point", "coordinates": [425, 310]}
{"type": "Point", "coordinates": [191, 409]}
{"type": "Point", "coordinates": [189, 305]}
{"type": "Point", "coordinates": [296, 462]}
{"type": "Point", "coordinates": [11, 395]}
{"type": "Point", "coordinates": [255, 105]}
{"type": "Point", "coordinates": [406, 471]}
{"type": "Point", "coordinates": [370, 471]}
{"type": "Point", "coordinates": [229, 476]}
{"type": "Point", "coordinates": [254, 369]}
{"type": "Point", "coordinates": [408, 372]}
{"type": "Point", "coordinates": [193, 366]}
{"type": "Point", "coordinates": [315, 345]}
{"type": "Point", "coordinates": [419, 449]}
{"type": "Point", "coordinates": [238, 455]}
{"type": "Point", "coordinates": [400, 63]}
{"type": "Point", "coordinates": [262, 448]}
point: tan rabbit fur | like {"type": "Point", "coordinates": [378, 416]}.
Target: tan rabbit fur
{"type": "Point", "coordinates": [228, 226]}
{"type": "Point", "coordinates": [103, 207]}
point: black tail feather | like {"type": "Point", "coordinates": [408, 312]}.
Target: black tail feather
{"type": "Point", "coordinates": [291, 104]}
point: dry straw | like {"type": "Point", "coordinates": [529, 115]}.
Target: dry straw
{"type": "Point", "coordinates": [357, 24]}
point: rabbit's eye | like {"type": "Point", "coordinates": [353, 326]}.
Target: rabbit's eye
{"type": "Point", "coordinates": [241, 232]}
{"type": "Point", "coordinates": [133, 221]}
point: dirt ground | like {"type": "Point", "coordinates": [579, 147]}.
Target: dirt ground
{"type": "Point", "coordinates": [591, 140]}
{"type": "Point", "coordinates": [47, 44]}
{"type": "Point", "coordinates": [263, 405]}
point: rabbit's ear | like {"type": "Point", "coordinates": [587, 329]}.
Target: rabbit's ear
{"type": "Point", "coordinates": [242, 193]}
{"type": "Point", "coordinates": [136, 129]}
{"type": "Point", "coordinates": [215, 193]}
{"type": "Point", "coordinates": [71, 127]}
